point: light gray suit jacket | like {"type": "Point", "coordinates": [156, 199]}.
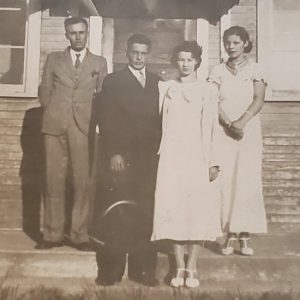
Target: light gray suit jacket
{"type": "Point", "coordinates": [67, 93]}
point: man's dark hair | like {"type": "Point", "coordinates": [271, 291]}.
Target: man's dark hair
{"type": "Point", "coordinates": [138, 39]}
{"type": "Point", "coordinates": [75, 20]}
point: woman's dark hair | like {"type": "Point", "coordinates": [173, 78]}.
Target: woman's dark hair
{"type": "Point", "coordinates": [242, 33]}
{"type": "Point", "coordinates": [188, 46]}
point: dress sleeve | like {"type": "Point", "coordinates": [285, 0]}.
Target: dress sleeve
{"type": "Point", "coordinates": [214, 92]}
{"type": "Point", "coordinates": [210, 127]}
{"type": "Point", "coordinates": [258, 74]}
{"type": "Point", "coordinates": [215, 75]}
{"type": "Point", "coordinates": [163, 87]}
{"type": "Point", "coordinates": [215, 81]}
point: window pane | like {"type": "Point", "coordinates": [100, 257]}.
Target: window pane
{"type": "Point", "coordinates": [286, 47]}
{"type": "Point", "coordinates": [286, 24]}
{"type": "Point", "coordinates": [12, 28]}
{"type": "Point", "coordinates": [11, 66]}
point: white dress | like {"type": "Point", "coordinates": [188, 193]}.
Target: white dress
{"type": "Point", "coordinates": [241, 161]}
{"type": "Point", "coordinates": [186, 207]}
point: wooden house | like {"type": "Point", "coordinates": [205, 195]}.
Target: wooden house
{"type": "Point", "coordinates": [30, 29]}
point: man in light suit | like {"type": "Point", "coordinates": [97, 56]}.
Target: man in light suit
{"type": "Point", "coordinates": [130, 125]}
{"type": "Point", "coordinates": [70, 80]}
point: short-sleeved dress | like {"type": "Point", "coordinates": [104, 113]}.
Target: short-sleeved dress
{"type": "Point", "coordinates": [241, 161]}
{"type": "Point", "coordinates": [186, 204]}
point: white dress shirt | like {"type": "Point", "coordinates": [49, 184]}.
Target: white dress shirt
{"type": "Point", "coordinates": [137, 73]}
{"type": "Point", "coordinates": [74, 57]}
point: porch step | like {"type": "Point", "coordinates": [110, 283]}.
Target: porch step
{"type": "Point", "coordinates": [276, 263]}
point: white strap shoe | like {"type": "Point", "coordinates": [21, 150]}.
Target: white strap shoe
{"type": "Point", "coordinates": [191, 280]}
{"type": "Point", "coordinates": [229, 245]}
{"type": "Point", "coordinates": [245, 247]}
{"type": "Point", "coordinates": [178, 280]}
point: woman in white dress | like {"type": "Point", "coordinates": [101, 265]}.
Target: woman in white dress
{"type": "Point", "coordinates": [185, 209]}
{"type": "Point", "coordinates": [241, 97]}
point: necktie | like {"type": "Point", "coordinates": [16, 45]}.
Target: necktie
{"type": "Point", "coordinates": [142, 79]}
{"type": "Point", "coordinates": [77, 61]}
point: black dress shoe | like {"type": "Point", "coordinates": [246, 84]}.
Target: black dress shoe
{"type": "Point", "coordinates": [106, 282]}
{"type": "Point", "coordinates": [85, 246]}
{"type": "Point", "coordinates": [44, 245]}
{"type": "Point", "coordinates": [107, 277]}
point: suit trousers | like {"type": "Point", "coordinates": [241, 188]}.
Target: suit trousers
{"type": "Point", "coordinates": [136, 184]}
{"type": "Point", "coordinates": [68, 151]}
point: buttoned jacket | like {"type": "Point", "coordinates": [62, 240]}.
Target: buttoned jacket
{"type": "Point", "coordinates": [66, 93]}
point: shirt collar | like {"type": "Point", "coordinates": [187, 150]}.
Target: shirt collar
{"type": "Point", "coordinates": [137, 73]}
{"type": "Point", "coordinates": [81, 57]}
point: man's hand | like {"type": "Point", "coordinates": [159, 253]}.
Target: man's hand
{"type": "Point", "coordinates": [117, 163]}
{"type": "Point", "coordinates": [213, 173]}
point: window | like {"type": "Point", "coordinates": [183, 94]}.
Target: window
{"type": "Point", "coordinates": [19, 47]}
{"type": "Point", "coordinates": [279, 47]}
{"type": "Point", "coordinates": [165, 34]}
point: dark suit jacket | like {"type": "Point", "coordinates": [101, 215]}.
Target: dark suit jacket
{"type": "Point", "coordinates": [67, 93]}
{"type": "Point", "coordinates": [130, 125]}
{"type": "Point", "coordinates": [129, 115]}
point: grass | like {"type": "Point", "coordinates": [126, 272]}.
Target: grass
{"type": "Point", "coordinates": [133, 293]}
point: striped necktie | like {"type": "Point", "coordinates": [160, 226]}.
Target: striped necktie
{"type": "Point", "coordinates": [77, 61]}
{"type": "Point", "coordinates": [142, 79]}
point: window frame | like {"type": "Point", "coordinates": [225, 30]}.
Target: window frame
{"type": "Point", "coordinates": [29, 87]}
{"type": "Point", "coordinates": [264, 30]}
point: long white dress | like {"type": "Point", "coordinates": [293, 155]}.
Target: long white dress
{"type": "Point", "coordinates": [186, 204]}
{"type": "Point", "coordinates": [241, 161]}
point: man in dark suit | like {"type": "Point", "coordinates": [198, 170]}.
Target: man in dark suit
{"type": "Point", "coordinates": [130, 126]}
{"type": "Point", "coordinates": [69, 82]}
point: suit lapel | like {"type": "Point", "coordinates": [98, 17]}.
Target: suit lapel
{"type": "Point", "coordinates": [130, 89]}
{"type": "Point", "coordinates": [149, 81]}
{"type": "Point", "coordinates": [132, 80]}
{"type": "Point", "coordinates": [86, 66]}
{"type": "Point", "coordinates": [67, 65]}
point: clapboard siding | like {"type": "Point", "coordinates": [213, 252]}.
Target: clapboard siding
{"type": "Point", "coordinates": [16, 173]}
{"type": "Point", "coordinates": [21, 155]}
{"type": "Point", "coordinates": [245, 14]}
{"type": "Point", "coordinates": [281, 163]}
{"type": "Point", "coordinates": [214, 46]}
{"type": "Point", "coordinates": [52, 37]}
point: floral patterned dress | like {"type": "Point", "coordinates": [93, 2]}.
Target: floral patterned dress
{"type": "Point", "coordinates": [186, 204]}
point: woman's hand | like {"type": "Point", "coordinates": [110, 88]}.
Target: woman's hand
{"type": "Point", "coordinates": [238, 125]}
{"type": "Point", "coordinates": [234, 132]}
{"type": "Point", "coordinates": [213, 173]}
{"type": "Point", "coordinates": [236, 129]}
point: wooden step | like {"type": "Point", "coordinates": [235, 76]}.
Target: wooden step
{"type": "Point", "coordinates": [283, 251]}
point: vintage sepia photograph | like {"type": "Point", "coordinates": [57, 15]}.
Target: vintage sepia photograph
{"type": "Point", "coordinates": [150, 149]}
